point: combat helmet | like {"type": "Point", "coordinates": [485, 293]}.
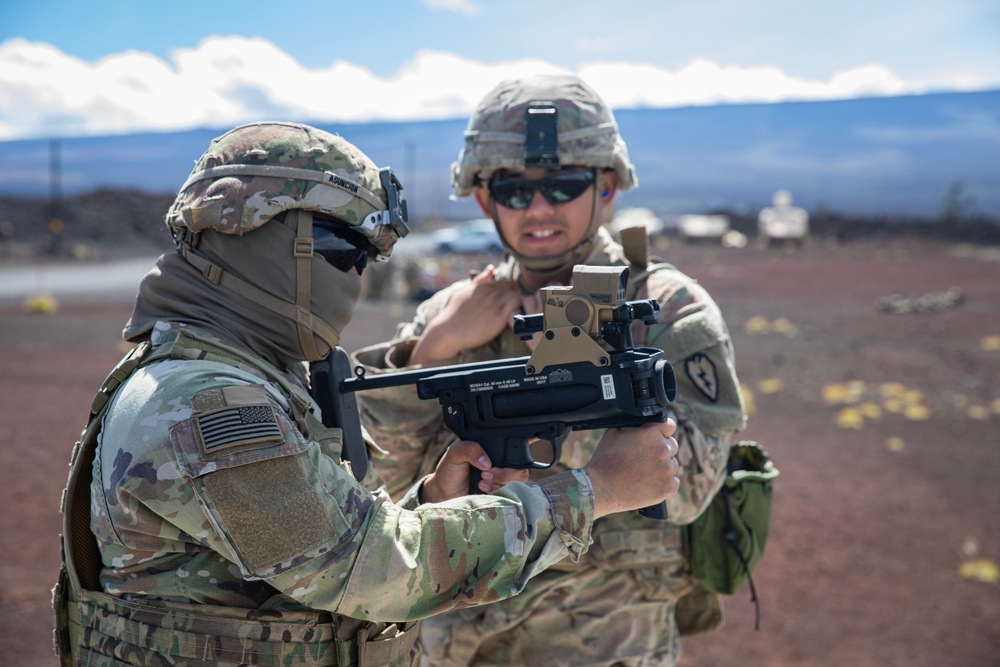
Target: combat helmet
{"type": "Point", "coordinates": [258, 172]}
{"type": "Point", "coordinates": [501, 136]}
{"type": "Point", "coordinates": [255, 172]}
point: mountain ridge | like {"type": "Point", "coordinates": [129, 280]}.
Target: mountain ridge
{"type": "Point", "coordinates": [902, 155]}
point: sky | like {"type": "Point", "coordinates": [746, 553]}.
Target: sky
{"type": "Point", "coordinates": [122, 66]}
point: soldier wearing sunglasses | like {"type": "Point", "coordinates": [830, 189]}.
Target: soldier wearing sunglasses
{"type": "Point", "coordinates": [210, 518]}
{"type": "Point", "coordinates": [544, 159]}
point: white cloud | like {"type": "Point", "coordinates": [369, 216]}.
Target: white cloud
{"type": "Point", "coordinates": [704, 82]}
{"type": "Point", "coordinates": [465, 7]}
{"type": "Point", "coordinates": [225, 81]}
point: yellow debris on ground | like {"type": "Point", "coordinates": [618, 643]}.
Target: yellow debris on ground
{"type": "Point", "coordinates": [856, 389]}
{"type": "Point", "coordinates": [44, 304]}
{"type": "Point", "coordinates": [981, 569]}
{"type": "Point", "coordinates": [896, 398]}
{"type": "Point", "coordinates": [836, 393]}
{"type": "Point", "coordinates": [770, 385]}
{"type": "Point", "coordinates": [917, 412]}
{"type": "Point", "coordinates": [894, 405]}
{"type": "Point", "coordinates": [783, 326]}
{"type": "Point", "coordinates": [870, 410]}
{"type": "Point", "coordinates": [979, 412]}
{"type": "Point", "coordinates": [757, 324]}
{"type": "Point", "coordinates": [891, 389]}
{"type": "Point", "coordinates": [850, 418]}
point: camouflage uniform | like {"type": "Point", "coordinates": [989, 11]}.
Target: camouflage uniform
{"type": "Point", "coordinates": [616, 605]}
{"type": "Point", "coordinates": [228, 529]}
{"type": "Point", "coordinates": [619, 604]}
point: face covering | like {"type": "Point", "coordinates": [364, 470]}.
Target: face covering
{"type": "Point", "coordinates": [270, 325]}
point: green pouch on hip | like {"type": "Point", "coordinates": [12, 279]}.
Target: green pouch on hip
{"type": "Point", "coordinates": [726, 542]}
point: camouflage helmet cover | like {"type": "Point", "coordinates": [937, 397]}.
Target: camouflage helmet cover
{"type": "Point", "coordinates": [255, 172]}
{"type": "Point", "coordinates": [494, 139]}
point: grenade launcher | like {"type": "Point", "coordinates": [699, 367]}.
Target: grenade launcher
{"type": "Point", "coordinates": [570, 382]}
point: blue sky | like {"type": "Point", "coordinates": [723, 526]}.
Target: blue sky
{"type": "Point", "coordinates": [75, 68]}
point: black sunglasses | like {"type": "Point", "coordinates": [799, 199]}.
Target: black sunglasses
{"type": "Point", "coordinates": [516, 193]}
{"type": "Point", "coordinates": [341, 246]}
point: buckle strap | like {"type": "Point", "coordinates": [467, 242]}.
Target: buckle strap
{"type": "Point", "coordinates": [303, 220]}
{"type": "Point", "coordinates": [114, 380]}
{"type": "Point", "coordinates": [213, 272]}
{"type": "Point", "coordinates": [390, 645]}
{"type": "Point", "coordinates": [303, 247]}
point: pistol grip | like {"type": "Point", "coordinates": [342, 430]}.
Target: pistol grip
{"type": "Point", "coordinates": [655, 512]}
{"type": "Point", "coordinates": [475, 476]}
{"type": "Point", "coordinates": [504, 452]}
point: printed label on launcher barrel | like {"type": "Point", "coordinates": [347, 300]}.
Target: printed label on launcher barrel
{"type": "Point", "coordinates": [500, 385]}
{"type": "Point", "coordinates": [608, 387]}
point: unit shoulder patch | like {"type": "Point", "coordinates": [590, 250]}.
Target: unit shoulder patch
{"type": "Point", "coordinates": [701, 370]}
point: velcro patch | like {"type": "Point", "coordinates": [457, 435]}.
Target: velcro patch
{"type": "Point", "coordinates": [237, 426]}
{"type": "Point", "coordinates": [269, 528]}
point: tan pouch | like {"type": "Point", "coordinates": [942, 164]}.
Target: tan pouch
{"type": "Point", "coordinates": [698, 612]}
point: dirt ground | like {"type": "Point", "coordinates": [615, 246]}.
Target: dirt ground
{"type": "Point", "coordinates": [885, 426]}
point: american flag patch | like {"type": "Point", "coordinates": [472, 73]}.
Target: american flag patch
{"type": "Point", "coordinates": [245, 425]}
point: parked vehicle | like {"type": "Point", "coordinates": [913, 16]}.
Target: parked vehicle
{"type": "Point", "coordinates": [479, 235]}
{"type": "Point", "coordinates": [783, 222]}
{"type": "Point", "coordinates": [630, 217]}
{"type": "Point", "coordinates": [703, 227]}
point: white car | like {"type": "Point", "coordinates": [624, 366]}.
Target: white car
{"type": "Point", "coordinates": [697, 227]}
{"type": "Point", "coordinates": [783, 221]}
{"type": "Point", "coordinates": [479, 235]}
{"type": "Point", "coordinates": [630, 217]}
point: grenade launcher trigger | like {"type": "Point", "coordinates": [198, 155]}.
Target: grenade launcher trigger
{"type": "Point", "coordinates": [569, 383]}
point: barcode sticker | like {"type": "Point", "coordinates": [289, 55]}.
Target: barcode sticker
{"type": "Point", "coordinates": [608, 386]}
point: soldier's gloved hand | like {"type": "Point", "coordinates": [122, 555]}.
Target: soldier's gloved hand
{"type": "Point", "coordinates": [451, 477]}
{"type": "Point", "coordinates": [475, 314]}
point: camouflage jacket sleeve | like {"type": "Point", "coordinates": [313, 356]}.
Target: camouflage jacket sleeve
{"type": "Point", "coordinates": [214, 485]}
{"type": "Point", "coordinates": [709, 407]}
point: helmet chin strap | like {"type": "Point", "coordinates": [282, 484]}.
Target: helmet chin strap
{"type": "Point", "coordinates": [547, 268]}
{"type": "Point", "coordinates": [303, 252]}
